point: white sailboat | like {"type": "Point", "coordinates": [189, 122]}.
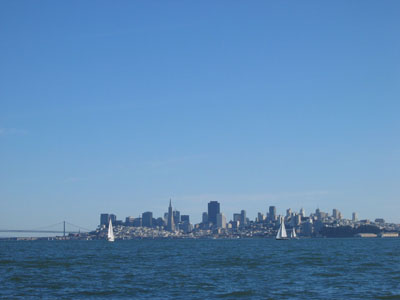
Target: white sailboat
{"type": "Point", "coordinates": [110, 234]}
{"type": "Point", "coordinates": [282, 235]}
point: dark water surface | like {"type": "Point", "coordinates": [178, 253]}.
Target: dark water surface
{"type": "Point", "coordinates": [201, 269]}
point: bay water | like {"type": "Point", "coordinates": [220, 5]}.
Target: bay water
{"type": "Point", "coordinates": [201, 269]}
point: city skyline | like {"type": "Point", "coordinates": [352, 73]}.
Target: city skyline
{"type": "Point", "coordinates": [119, 107]}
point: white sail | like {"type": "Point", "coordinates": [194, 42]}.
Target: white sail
{"type": "Point", "coordinates": [110, 235]}
{"type": "Point", "coordinates": [293, 233]}
{"type": "Point", "coordinates": [281, 235]}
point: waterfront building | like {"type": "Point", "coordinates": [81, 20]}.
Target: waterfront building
{"type": "Point", "coordinates": [147, 219]}
{"type": "Point", "coordinates": [170, 222]}
{"type": "Point", "coordinates": [221, 220]}
{"type": "Point", "coordinates": [213, 210]}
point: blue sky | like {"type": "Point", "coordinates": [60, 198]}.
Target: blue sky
{"type": "Point", "coordinates": [119, 106]}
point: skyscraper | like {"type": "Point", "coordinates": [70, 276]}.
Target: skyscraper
{"type": "Point", "coordinates": [272, 213]}
{"type": "Point", "coordinates": [170, 222]}
{"type": "Point", "coordinates": [213, 210]}
{"type": "Point", "coordinates": [177, 217]}
{"type": "Point", "coordinates": [354, 218]}
{"type": "Point", "coordinates": [243, 220]}
{"type": "Point", "coordinates": [147, 219]}
{"type": "Point", "coordinates": [221, 221]}
{"type": "Point", "coordinates": [204, 218]}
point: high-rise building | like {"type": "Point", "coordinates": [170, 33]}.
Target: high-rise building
{"type": "Point", "coordinates": [335, 214]}
{"type": "Point", "coordinates": [260, 217]}
{"type": "Point", "coordinates": [288, 213]}
{"type": "Point", "coordinates": [170, 222]}
{"type": "Point", "coordinates": [185, 218]}
{"type": "Point", "coordinates": [272, 213]}
{"type": "Point", "coordinates": [129, 221]}
{"type": "Point", "coordinates": [302, 213]}
{"type": "Point", "coordinates": [147, 219]}
{"type": "Point", "coordinates": [243, 219]}
{"type": "Point", "coordinates": [104, 218]}
{"type": "Point", "coordinates": [177, 217]}
{"type": "Point", "coordinates": [204, 218]}
{"type": "Point", "coordinates": [236, 217]}
{"type": "Point", "coordinates": [213, 210]}
{"type": "Point", "coordinates": [354, 217]}
{"type": "Point", "coordinates": [221, 220]}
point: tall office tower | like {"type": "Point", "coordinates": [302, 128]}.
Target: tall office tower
{"type": "Point", "coordinates": [129, 221]}
{"type": "Point", "coordinates": [297, 220]}
{"type": "Point", "coordinates": [113, 218]}
{"type": "Point", "coordinates": [237, 217]}
{"type": "Point", "coordinates": [302, 213]}
{"type": "Point", "coordinates": [288, 213]}
{"type": "Point", "coordinates": [272, 213]}
{"type": "Point", "coordinates": [147, 219]}
{"type": "Point", "coordinates": [204, 218]}
{"type": "Point", "coordinates": [185, 218]}
{"type": "Point", "coordinates": [104, 218]}
{"type": "Point", "coordinates": [243, 220]}
{"type": "Point", "coordinates": [335, 214]}
{"type": "Point", "coordinates": [213, 210]}
{"type": "Point", "coordinates": [354, 217]}
{"type": "Point", "coordinates": [221, 221]}
{"type": "Point", "coordinates": [260, 217]}
{"type": "Point", "coordinates": [170, 222]}
{"type": "Point", "coordinates": [177, 217]}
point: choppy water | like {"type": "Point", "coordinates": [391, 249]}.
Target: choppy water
{"type": "Point", "coordinates": [202, 269]}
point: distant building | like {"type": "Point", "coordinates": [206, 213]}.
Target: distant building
{"type": "Point", "coordinates": [237, 217]}
{"type": "Point", "coordinates": [147, 219]}
{"type": "Point", "coordinates": [354, 217]}
{"type": "Point", "coordinates": [213, 210]}
{"type": "Point", "coordinates": [243, 219]}
{"type": "Point", "coordinates": [105, 219]}
{"type": "Point", "coordinates": [288, 213]}
{"type": "Point", "coordinates": [129, 221]}
{"type": "Point", "coordinates": [170, 223]}
{"type": "Point", "coordinates": [336, 214]}
{"type": "Point", "coordinates": [302, 213]}
{"type": "Point", "coordinates": [296, 220]}
{"type": "Point", "coordinates": [137, 222]}
{"type": "Point", "coordinates": [221, 220]}
{"type": "Point", "coordinates": [260, 217]}
{"type": "Point", "coordinates": [177, 217]}
{"type": "Point", "coordinates": [381, 221]}
{"type": "Point", "coordinates": [185, 218]}
{"type": "Point", "coordinates": [204, 218]}
{"type": "Point", "coordinates": [272, 214]}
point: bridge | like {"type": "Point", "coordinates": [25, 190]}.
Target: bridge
{"type": "Point", "coordinates": [54, 228]}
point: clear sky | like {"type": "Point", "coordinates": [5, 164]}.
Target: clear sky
{"type": "Point", "coordinates": [117, 106]}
